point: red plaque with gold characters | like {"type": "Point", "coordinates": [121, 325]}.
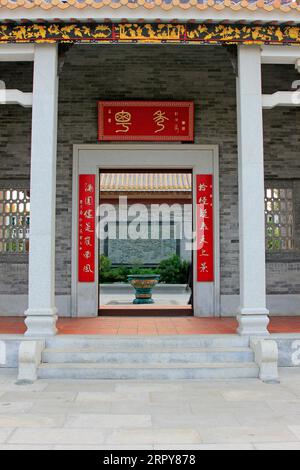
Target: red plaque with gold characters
{"type": "Point", "coordinates": [87, 227]}
{"type": "Point", "coordinates": [167, 121]}
{"type": "Point", "coordinates": [205, 228]}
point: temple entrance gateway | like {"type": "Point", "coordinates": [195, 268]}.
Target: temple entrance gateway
{"type": "Point", "coordinates": [98, 167]}
{"type": "Point", "coordinates": [242, 210]}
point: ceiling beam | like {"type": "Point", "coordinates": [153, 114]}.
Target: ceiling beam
{"type": "Point", "coordinates": [280, 54]}
{"type": "Point", "coordinates": [16, 52]}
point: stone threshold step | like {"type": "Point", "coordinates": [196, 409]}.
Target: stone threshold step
{"type": "Point", "coordinates": [175, 341]}
{"type": "Point", "coordinates": [145, 350]}
{"type": "Point", "coordinates": [207, 365]}
{"type": "Point", "coordinates": [148, 372]}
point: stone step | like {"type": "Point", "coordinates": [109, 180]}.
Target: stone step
{"type": "Point", "coordinates": [140, 342]}
{"type": "Point", "coordinates": [151, 371]}
{"type": "Point", "coordinates": [148, 355]}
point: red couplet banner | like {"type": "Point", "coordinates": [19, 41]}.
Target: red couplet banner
{"type": "Point", "coordinates": [87, 226]}
{"type": "Point", "coordinates": [146, 121]}
{"type": "Point", "coordinates": [205, 228]}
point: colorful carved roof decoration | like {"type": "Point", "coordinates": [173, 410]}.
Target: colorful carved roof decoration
{"type": "Point", "coordinates": [235, 5]}
{"type": "Point", "coordinates": [149, 33]}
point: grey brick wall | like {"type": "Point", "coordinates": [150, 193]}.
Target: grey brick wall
{"type": "Point", "coordinates": [15, 132]}
{"type": "Point", "coordinates": [282, 162]}
{"type": "Point", "coordinates": [202, 74]}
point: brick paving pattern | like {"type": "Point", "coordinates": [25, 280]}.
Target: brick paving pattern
{"type": "Point", "coordinates": [149, 326]}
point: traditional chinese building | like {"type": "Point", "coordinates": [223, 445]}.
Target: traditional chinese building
{"type": "Point", "coordinates": [208, 88]}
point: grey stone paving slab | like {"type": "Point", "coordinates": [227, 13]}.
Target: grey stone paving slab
{"type": "Point", "coordinates": [240, 414]}
{"type": "Point", "coordinates": [154, 436]}
{"type": "Point", "coordinates": [94, 397]}
{"type": "Point", "coordinates": [258, 417]}
{"type": "Point", "coordinates": [248, 434]}
{"type": "Point", "coordinates": [118, 297]}
{"type": "Point", "coordinates": [54, 407]}
{"type": "Point", "coordinates": [295, 430]}
{"type": "Point", "coordinates": [244, 407]}
{"type": "Point", "coordinates": [81, 386]}
{"type": "Point", "coordinates": [220, 385]}
{"type": "Point", "coordinates": [10, 447]}
{"type": "Point", "coordinates": [15, 407]}
{"type": "Point", "coordinates": [58, 436]}
{"type": "Point", "coordinates": [285, 407]}
{"type": "Point", "coordinates": [4, 434]}
{"type": "Point", "coordinates": [278, 446]}
{"type": "Point", "coordinates": [290, 419]}
{"type": "Point", "coordinates": [88, 407]}
{"type": "Point", "coordinates": [186, 396]}
{"type": "Point", "coordinates": [102, 447]}
{"type": "Point", "coordinates": [9, 381]}
{"type": "Point", "coordinates": [195, 421]}
{"type": "Point", "coordinates": [50, 407]}
{"type": "Point", "coordinates": [293, 388]}
{"type": "Point", "coordinates": [149, 387]}
{"type": "Point", "coordinates": [149, 408]}
{"type": "Point", "coordinates": [273, 394]}
{"type": "Point", "coordinates": [22, 395]}
{"type": "Point", "coordinates": [30, 421]}
{"type": "Point", "coordinates": [108, 421]}
{"type": "Point", "coordinates": [219, 446]}
{"type": "Point", "coordinates": [15, 387]}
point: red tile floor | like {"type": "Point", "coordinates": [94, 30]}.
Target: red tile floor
{"type": "Point", "coordinates": [149, 325]}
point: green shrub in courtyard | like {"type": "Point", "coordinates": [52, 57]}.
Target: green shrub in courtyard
{"type": "Point", "coordinates": [173, 270]}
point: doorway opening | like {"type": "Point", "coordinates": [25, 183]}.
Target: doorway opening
{"type": "Point", "coordinates": [145, 232]}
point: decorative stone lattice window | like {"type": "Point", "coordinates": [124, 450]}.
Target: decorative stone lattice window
{"type": "Point", "coordinates": [280, 217]}
{"type": "Point", "coordinates": [14, 220]}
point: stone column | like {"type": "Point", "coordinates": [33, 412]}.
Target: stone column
{"type": "Point", "coordinates": [253, 314]}
{"type": "Point", "coordinates": [42, 314]}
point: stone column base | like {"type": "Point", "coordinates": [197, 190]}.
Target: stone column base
{"type": "Point", "coordinates": [41, 322]}
{"type": "Point", "coordinates": [253, 322]}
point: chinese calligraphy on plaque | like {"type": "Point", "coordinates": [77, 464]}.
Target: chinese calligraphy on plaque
{"type": "Point", "coordinates": [87, 226]}
{"type": "Point", "coordinates": [205, 228]}
{"type": "Point", "coordinates": [146, 120]}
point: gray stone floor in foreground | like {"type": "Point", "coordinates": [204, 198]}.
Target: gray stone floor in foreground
{"type": "Point", "coordinates": [243, 414]}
